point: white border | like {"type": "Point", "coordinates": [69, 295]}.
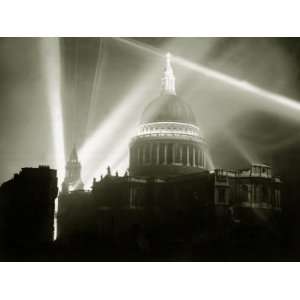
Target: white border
{"type": "Point", "coordinates": [149, 18]}
{"type": "Point", "coordinates": [173, 281]}
{"type": "Point", "coordinates": [149, 281]}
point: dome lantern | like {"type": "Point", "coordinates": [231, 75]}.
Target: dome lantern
{"type": "Point", "coordinates": [168, 79]}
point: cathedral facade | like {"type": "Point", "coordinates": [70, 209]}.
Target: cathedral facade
{"type": "Point", "coordinates": [169, 198]}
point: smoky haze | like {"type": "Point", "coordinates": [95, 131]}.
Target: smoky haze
{"type": "Point", "coordinates": [106, 84]}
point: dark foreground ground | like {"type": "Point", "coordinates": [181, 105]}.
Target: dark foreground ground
{"type": "Point", "coordinates": [252, 248]}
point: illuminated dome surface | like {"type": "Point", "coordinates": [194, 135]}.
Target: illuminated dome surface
{"type": "Point", "coordinates": [168, 108]}
{"type": "Point", "coordinates": [168, 141]}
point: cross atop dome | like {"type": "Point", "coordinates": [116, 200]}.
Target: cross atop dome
{"type": "Point", "coordinates": [168, 79]}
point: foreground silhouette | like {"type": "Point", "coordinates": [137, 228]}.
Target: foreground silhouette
{"type": "Point", "coordinates": [178, 218]}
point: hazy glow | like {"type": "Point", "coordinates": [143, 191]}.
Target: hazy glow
{"type": "Point", "coordinates": [51, 48]}
{"type": "Point", "coordinates": [55, 219]}
{"type": "Point", "coordinates": [240, 147]}
{"type": "Point", "coordinates": [287, 142]}
{"type": "Point", "coordinates": [52, 64]}
{"type": "Point", "coordinates": [240, 84]}
{"type": "Point", "coordinates": [109, 136]}
{"type": "Point", "coordinates": [95, 84]}
{"type": "Point", "coordinates": [280, 101]}
{"type": "Point", "coordinates": [244, 85]}
{"type": "Point", "coordinates": [141, 46]}
{"type": "Point", "coordinates": [105, 138]}
{"type": "Point", "coordinates": [117, 158]}
{"type": "Point", "coordinates": [209, 160]}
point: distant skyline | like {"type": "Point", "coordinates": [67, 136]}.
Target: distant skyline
{"type": "Point", "coordinates": [96, 79]}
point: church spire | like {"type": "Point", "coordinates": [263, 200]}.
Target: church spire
{"type": "Point", "coordinates": [74, 156]}
{"type": "Point", "coordinates": [72, 179]}
{"type": "Point", "coordinates": [168, 79]}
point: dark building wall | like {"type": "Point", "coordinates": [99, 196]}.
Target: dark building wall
{"type": "Point", "coordinates": [195, 201]}
{"type": "Point", "coordinates": [155, 205]}
{"type": "Point", "coordinates": [120, 205]}
{"type": "Point", "coordinates": [76, 217]}
{"type": "Point", "coordinates": [27, 208]}
{"type": "Point", "coordinates": [287, 163]}
{"type": "Point", "coordinates": [253, 192]}
{"type": "Point", "coordinates": [169, 212]}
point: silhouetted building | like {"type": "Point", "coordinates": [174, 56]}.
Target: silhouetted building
{"type": "Point", "coordinates": [170, 203]}
{"type": "Point", "coordinates": [76, 216]}
{"type": "Point", "coordinates": [27, 204]}
{"type": "Point", "coordinates": [201, 205]}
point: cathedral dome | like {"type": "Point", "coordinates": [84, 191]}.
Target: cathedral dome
{"type": "Point", "coordinates": [168, 108]}
{"type": "Point", "coordinates": [168, 141]}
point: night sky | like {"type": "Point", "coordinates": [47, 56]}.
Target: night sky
{"type": "Point", "coordinates": [98, 74]}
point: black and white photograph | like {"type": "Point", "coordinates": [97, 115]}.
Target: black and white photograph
{"type": "Point", "coordinates": [149, 150]}
{"type": "Point", "coordinates": [142, 149]}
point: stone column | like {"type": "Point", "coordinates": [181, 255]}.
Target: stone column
{"type": "Point", "coordinates": [150, 154]}
{"type": "Point", "coordinates": [157, 153]}
{"type": "Point", "coordinates": [165, 154]}
{"type": "Point", "coordinates": [174, 147]}
{"type": "Point", "coordinates": [187, 155]}
{"type": "Point", "coordinates": [180, 153]}
{"type": "Point", "coordinates": [194, 156]}
{"type": "Point", "coordinates": [144, 154]}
